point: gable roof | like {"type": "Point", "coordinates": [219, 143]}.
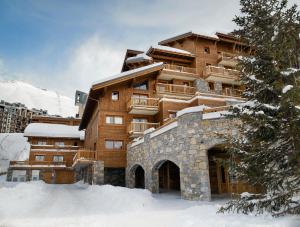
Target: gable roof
{"type": "Point", "coordinates": [93, 96]}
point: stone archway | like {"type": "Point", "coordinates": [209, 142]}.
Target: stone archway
{"type": "Point", "coordinates": [166, 177]}
{"type": "Point", "coordinates": [218, 171]}
{"type": "Point", "coordinates": [136, 177]}
{"type": "Point", "coordinates": [139, 177]}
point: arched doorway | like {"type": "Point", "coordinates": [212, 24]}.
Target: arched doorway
{"type": "Point", "coordinates": [139, 177]}
{"type": "Point", "coordinates": [169, 177]}
{"type": "Point", "coordinates": [218, 171]}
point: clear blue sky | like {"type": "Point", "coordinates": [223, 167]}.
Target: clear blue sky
{"type": "Point", "coordinates": [67, 44]}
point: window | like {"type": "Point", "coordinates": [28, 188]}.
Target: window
{"type": "Point", "coordinates": [211, 86]}
{"type": "Point", "coordinates": [206, 50]}
{"type": "Point", "coordinates": [59, 144]}
{"type": "Point", "coordinates": [42, 143]}
{"type": "Point", "coordinates": [39, 158]}
{"type": "Point", "coordinates": [140, 99]}
{"type": "Point", "coordinates": [115, 96]}
{"type": "Point", "coordinates": [114, 144]}
{"type": "Point", "coordinates": [35, 175]}
{"type": "Point", "coordinates": [75, 144]}
{"type": "Point", "coordinates": [186, 83]}
{"type": "Point", "coordinates": [58, 158]}
{"type": "Point", "coordinates": [141, 86]}
{"type": "Point", "coordinates": [117, 120]}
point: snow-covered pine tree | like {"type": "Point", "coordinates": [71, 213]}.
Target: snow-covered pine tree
{"type": "Point", "coordinates": [267, 153]}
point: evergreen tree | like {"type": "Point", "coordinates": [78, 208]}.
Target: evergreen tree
{"type": "Point", "coordinates": [267, 152]}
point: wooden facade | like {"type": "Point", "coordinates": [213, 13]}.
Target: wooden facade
{"type": "Point", "coordinates": [151, 97]}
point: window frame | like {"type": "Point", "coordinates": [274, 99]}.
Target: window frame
{"type": "Point", "coordinates": [54, 156]}
{"type": "Point", "coordinates": [138, 85]}
{"type": "Point", "coordinates": [35, 158]}
{"type": "Point", "coordinates": [114, 119]}
{"type": "Point", "coordinates": [114, 147]}
{"type": "Point", "coordinates": [116, 93]}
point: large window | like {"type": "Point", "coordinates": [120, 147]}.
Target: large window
{"type": "Point", "coordinates": [116, 120]}
{"type": "Point", "coordinates": [58, 158]}
{"type": "Point", "coordinates": [141, 86]}
{"type": "Point", "coordinates": [39, 158]}
{"type": "Point", "coordinates": [114, 144]}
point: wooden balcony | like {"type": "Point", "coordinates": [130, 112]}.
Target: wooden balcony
{"type": "Point", "coordinates": [227, 59]}
{"type": "Point", "coordinates": [232, 92]}
{"type": "Point", "coordinates": [54, 147]}
{"type": "Point", "coordinates": [37, 164]}
{"type": "Point", "coordinates": [175, 90]}
{"type": "Point", "coordinates": [142, 105]}
{"type": "Point", "coordinates": [179, 68]}
{"type": "Point", "coordinates": [136, 129]}
{"type": "Point", "coordinates": [83, 158]}
{"type": "Point", "coordinates": [221, 74]}
{"type": "Point", "coordinates": [171, 72]}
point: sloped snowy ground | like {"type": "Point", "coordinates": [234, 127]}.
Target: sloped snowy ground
{"type": "Point", "coordinates": [39, 204]}
{"type": "Point", "coordinates": [13, 146]}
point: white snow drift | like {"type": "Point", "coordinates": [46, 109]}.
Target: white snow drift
{"type": "Point", "coordinates": [39, 204]}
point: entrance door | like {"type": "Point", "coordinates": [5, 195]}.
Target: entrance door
{"type": "Point", "coordinates": [219, 180]}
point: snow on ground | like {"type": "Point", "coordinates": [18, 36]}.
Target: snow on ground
{"type": "Point", "coordinates": [13, 146]}
{"type": "Point", "coordinates": [39, 204]}
{"type": "Point", "coordinates": [33, 97]}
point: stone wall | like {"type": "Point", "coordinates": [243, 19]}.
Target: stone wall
{"type": "Point", "coordinates": [185, 145]}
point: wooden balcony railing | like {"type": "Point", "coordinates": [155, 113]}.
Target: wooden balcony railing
{"type": "Point", "coordinates": [142, 102]}
{"type": "Point", "coordinates": [221, 72]}
{"type": "Point", "coordinates": [216, 109]}
{"type": "Point", "coordinates": [54, 147]}
{"type": "Point", "coordinates": [175, 89]}
{"type": "Point", "coordinates": [232, 92]}
{"type": "Point", "coordinates": [40, 163]}
{"type": "Point", "coordinates": [180, 68]}
{"type": "Point", "coordinates": [84, 155]}
{"type": "Point", "coordinates": [225, 56]}
{"type": "Point", "coordinates": [140, 127]}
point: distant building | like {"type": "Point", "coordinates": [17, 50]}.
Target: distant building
{"type": "Point", "coordinates": [80, 100]}
{"type": "Point", "coordinates": [14, 117]}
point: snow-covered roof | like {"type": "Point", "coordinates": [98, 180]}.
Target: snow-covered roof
{"type": "Point", "coordinates": [53, 130]}
{"type": "Point", "coordinates": [126, 73]}
{"type": "Point", "coordinates": [170, 49]}
{"type": "Point", "coordinates": [138, 58]}
{"type": "Point", "coordinates": [193, 109]}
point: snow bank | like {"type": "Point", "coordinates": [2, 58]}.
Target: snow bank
{"type": "Point", "coordinates": [13, 146]}
{"type": "Point", "coordinates": [53, 130]}
{"type": "Point", "coordinates": [164, 129]}
{"type": "Point", "coordinates": [126, 73]}
{"type": "Point", "coordinates": [39, 204]}
{"type": "Point", "coordinates": [33, 97]}
{"type": "Point", "coordinates": [215, 115]}
{"type": "Point", "coordinates": [287, 88]}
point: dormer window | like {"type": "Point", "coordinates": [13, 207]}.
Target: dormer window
{"type": "Point", "coordinates": [141, 86]}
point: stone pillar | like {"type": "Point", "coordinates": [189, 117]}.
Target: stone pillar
{"type": "Point", "coordinates": [201, 85]}
{"type": "Point", "coordinates": [218, 87]}
{"type": "Point", "coordinates": [98, 172]}
{"type": "Point", "coordinates": [9, 174]}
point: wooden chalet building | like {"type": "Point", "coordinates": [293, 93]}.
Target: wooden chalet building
{"type": "Point", "coordinates": [180, 72]}
{"type": "Point", "coordinates": [55, 147]}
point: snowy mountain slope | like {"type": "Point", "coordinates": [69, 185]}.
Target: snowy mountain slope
{"type": "Point", "coordinates": [13, 146]}
{"type": "Point", "coordinates": [33, 97]}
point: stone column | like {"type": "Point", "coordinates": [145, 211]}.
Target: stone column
{"type": "Point", "coordinates": [218, 87]}
{"type": "Point", "coordinates": [98, 172]}
{"type": "Point", "coordinates": [201, 85]}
